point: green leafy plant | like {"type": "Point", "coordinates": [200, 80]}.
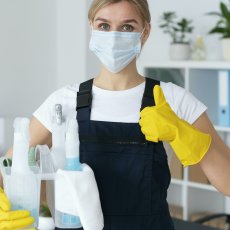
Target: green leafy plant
{"type": "Point", "coordinates": [223, 24]}
{"type": "Point", "coordinates": [177, 29]}
{"type": "Point", "coordinates": [44, 210]}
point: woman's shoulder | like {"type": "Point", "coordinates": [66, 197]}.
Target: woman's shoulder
{"type": "Point", "coordinates": [66, 91]}
{"type": "Point", "coordinates": [62, 94]}
{"type": "Point", "coordinates": [173, 93]}
{"type": "Point", "coordinates": [66, 96]}
{"type": "Point", "coordinates": [183, 102]}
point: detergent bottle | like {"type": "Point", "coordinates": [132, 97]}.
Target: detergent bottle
{"type": "Point", "coordinates": [72, 164]}
{"type": "Point", "coordinates": [58, 139]}
{"type": "Point", "coordinates": [57, 152]}
{"type": "Point", "coordinates": [22, 183]}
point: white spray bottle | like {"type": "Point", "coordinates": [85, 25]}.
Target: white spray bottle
{"type": "Point", "coordinates": [57, 152]}
{"type": "Point", "coordinates": [20, 163]}
{"type": "Point", "coordinates": [58, 139]}
{"type": "Point", "coordinates": [22, 186]}
{"type": "Point", "coordinates": [72, 164]}
{"type": "Point", "coordinates": [72, 147]}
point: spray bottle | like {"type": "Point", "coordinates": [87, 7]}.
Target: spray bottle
{"type": "Point", "coordinates": [20, 163]}
{"type": "Point", "coordinates": [58, 139]}
{"type": "Point", "coordinates": [72, 164]}
{"type": "Point", "coordinates": [57, 152]}
{"type": "Point", "coordinates": [22, 186]}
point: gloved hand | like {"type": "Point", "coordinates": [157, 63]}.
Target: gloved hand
{"type": "Point", "coordinates": [12, 220]}
{"type": "Point", "coordinates": [160, 123]}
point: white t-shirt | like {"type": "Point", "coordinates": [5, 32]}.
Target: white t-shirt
{"type": "Point", "coordinates": [119, 106]}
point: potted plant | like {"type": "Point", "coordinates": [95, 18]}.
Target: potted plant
{"type": "Point", "coordinates": [222, 27]}
{"type": "Point", "coordinates": [45, 219]}
{"type": "Point", "coordinates": [178, 30]}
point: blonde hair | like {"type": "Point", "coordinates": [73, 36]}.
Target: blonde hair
{"type": "Point", "coordinates": [141, 6]}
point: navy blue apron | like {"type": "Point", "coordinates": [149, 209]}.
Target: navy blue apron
{"type": "Point", "coordinates": [132, 174]}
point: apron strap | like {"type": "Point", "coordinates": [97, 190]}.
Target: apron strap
{"type": "Point", "coordinates": [148, 98]}
{"type": "Point", "coordinates": [84, 100]}
{"type": "Point", "coordinates": [84, 96]}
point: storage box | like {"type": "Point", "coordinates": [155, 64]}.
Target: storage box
{"type": "Point", "coordinates": [23, 191]}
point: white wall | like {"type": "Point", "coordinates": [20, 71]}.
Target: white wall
{"type": "Point", "coordinates": [158, 44]}
{"type": "Point", "coordinates": [71, 41]}
{"type": "Point", "coordinates": [27, 55]}
{"type": "Point", "coordinates": [76, 62]}
{"type": "Point", "coordinates": [42, 47]}
{"type": "Point", "coordinates": [92, 62]}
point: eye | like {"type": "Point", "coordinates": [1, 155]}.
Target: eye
{"type": "Point", "coordinates": [104, 26]}
{"type": "Point", "coordinates": [127, 28]}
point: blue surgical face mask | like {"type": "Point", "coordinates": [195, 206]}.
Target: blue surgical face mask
{"type": "Point", "coordinates": [116, 50]}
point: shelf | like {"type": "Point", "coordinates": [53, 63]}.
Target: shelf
{"type": "Point", "coordinates": [201, 79]}
{"type": "Point", "coordinates": [193, 185]}
{"type": "Point", "coordinates": [201, 186]}
{"type": "Point", "coordinates": [188, 64]}
{"type": "Point", "coordinates": [177, 181]}
{"type": "Point", "coordinates": [222, 128]}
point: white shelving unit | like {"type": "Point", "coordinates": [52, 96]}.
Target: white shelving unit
{"type": "Point", "coordinates": [200, 78]}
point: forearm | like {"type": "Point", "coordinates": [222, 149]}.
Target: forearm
{"type": "Point", "coordinates": [216, 166]}
{"type": "Point", "coordinates": [216, 162]}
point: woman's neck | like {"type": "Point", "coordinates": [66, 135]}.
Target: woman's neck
{"type": "Point", "coordinates": [126, 79]}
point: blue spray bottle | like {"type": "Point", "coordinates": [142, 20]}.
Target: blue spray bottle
{"type": "Point", "coordinates": [72, 164]}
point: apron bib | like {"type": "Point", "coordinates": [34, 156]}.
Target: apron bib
{"type": "Point", "coordinates": [132, 173]}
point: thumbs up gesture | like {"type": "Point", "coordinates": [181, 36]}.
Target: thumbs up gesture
{"type": "Point", "coordinates": [160, 123]}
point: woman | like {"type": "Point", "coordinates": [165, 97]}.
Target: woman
{"type": "Point", "coordinates": [124, 151]}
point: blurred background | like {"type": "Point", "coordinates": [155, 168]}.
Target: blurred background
{"type": "Point", "coordinates": [44, 46]}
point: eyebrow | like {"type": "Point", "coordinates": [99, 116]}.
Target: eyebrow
{"type": "Point", "coordinates": [125, 21]}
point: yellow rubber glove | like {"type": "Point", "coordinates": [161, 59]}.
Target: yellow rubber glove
{"type": "Point", "coordinates": [160, 123]}
{"type": "Point", "coordinates": [12, 220]}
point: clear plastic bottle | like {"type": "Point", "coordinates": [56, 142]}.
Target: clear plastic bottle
{"type": "Point", "coordinates": [57, 154]}
{"type": "Point", "coordinates": [20, 163]}
{"type": "Point", "coordinates": [22, 186]}
{"type": "Point", "coordinates": [72, 147]}
{"type": "Point", "coordinates": [72, 164]}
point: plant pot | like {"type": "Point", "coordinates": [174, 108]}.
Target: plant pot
{"type": "Point", "coordinates": [226, 48]}
{"type": "Point", "coordinates": [46, 223]}
{"type": "Point", "coordinates": [179, 51]}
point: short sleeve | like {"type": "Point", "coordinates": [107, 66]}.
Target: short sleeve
{"type": "Point", "coordinates": [45, 110]}
{"type": "Point", "coordinates": [65, 96]}
{"type": "Point", "coordinates": [182, 102]}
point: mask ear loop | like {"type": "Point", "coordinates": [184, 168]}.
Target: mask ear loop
{"type": "Point", "coordinates": [142, 32]}
{"type": "Point", "coordinates": [91, 25]}
{"type": "Point", "coordinates": [140, 40]}
{"type": "Point", "coordinates": [138, 55]}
